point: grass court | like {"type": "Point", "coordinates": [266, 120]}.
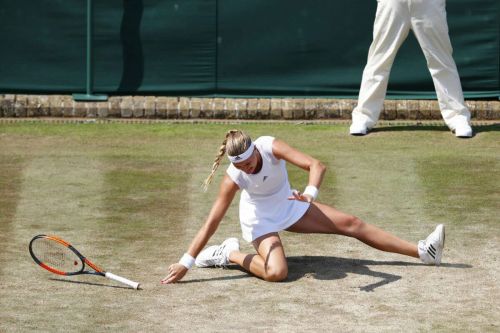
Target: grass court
{"type": "Point", "coordinates": [129, 196]}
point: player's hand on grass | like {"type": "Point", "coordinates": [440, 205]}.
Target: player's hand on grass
{"type": "Point", "coordinates": [175, 273]}
{"type": "Point", "coordinates": [300, 196]}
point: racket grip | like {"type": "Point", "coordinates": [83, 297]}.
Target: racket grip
{"type": "Point", "coordinates": [112, 276]}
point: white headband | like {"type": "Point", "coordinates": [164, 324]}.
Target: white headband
{"type": "Point", "coordinates": [243, 156]}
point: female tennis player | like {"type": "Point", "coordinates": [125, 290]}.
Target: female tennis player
{"type": "Point", "coordinates": [268, 205]}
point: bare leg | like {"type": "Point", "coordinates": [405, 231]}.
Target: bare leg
{"type": "Point", "coordinates": [269, 263]}
{"type": "Point", "coordinates": [324, 219]}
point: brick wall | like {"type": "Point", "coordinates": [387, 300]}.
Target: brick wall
{"type": "Point", "coordinates": [151, 107]}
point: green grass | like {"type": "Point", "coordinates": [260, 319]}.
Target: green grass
{"type": "Point", "coordinates": [10, 178]}
{"type": "Point", "coordinates": [130, 197]}
{"type": "Point", "coordinates": [460, 187]}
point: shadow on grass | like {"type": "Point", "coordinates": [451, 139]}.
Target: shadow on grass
{"type": "Point", "coordinates": [321, 268]}
{"type": "Point", "coordinates": [487, 128]}
{"type": "Point", "coordinates": [93, 284]}
{"type": "Point", "coordinates": [332, 268]}
{"type": "Point", "coordinates": [329, 268]}
{"type": "Point", "coordinates": [423, 127]}
{"type": "Point", "coordinates": [221, 278]}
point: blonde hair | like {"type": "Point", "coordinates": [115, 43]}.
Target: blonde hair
{"type": "Point", "coordinates": [236, 142]}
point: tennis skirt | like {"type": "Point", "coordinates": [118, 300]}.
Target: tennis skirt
{"type": "Point", "coordinates": [261, 216]}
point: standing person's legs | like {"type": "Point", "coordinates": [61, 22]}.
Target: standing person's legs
{"type": "Point", "coordinates": [324, 219]}
{"type": "Point", "coordinates": [431, 30]}
{"type": "Point", "coordinates": [391, 27]}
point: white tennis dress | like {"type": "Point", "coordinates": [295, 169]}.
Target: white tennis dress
{"type": "Point", "coordinates": [264, 204]}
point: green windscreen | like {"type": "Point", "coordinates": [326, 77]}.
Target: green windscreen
{"type": "Point", "coordinates": [230, 48]}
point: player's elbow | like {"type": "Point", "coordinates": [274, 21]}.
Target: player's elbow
{"type": "Point", "coordinates": [322, 167]}
{"type": "Point", "coordinates": [319, 167]}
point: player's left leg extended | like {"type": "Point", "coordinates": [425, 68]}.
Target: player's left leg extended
{"type": "Point", "coordinates": [324, 219]}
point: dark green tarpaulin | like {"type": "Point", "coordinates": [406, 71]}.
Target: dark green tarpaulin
{"type": "Point", "coordinates": [230, 47]}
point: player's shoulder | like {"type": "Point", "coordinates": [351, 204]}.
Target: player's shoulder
{"type": "Point", "coordinates": [236, 175]}
{"type": "Point", "coordinates": [265, 146]}
{"type": "Point", "coordinates": [265, 141]}
{"type": "Point", "coordinates": [264, 138]}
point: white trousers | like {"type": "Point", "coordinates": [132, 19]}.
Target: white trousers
{"type": "Point", "coordinates": [393, 21]}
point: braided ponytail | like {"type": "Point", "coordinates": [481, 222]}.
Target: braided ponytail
{"type": "Point", "coordinates": [235, 142]}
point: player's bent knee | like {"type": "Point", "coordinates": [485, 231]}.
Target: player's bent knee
{"type": "Point", "coordinates": [276, 274]}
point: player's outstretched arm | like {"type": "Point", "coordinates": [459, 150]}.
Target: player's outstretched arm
{"type": "Point", "coordinates": [226, 195]}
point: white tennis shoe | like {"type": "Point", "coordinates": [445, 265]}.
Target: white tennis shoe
{"type": "Point", "coordinates": [430, 250]}
{"type": "Point", "coordinates": [217, 255]}
{"type": "Point", "coordinates": [463, 130]}
{"type": "Point", "coordinates": [358, 128]}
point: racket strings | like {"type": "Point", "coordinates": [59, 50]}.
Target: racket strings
{"type": "Point", "coordinates": [56, 255]}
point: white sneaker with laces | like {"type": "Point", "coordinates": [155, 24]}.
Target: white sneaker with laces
{"type": "Point", "coordinates": [358, 128]}
{"type": "Point", "coordinates": [217, 255]}
{"type": "Point", "coordinates": [430, 250]}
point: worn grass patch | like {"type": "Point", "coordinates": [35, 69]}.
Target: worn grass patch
{"type": "Point", "coordinates": [10, 181]}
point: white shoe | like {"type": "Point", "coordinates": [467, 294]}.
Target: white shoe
{"type": "Point", "coordinates": [430, 250]}
{"type": "Point", "coordinates": [358, 128]}
{"type": "Point", "coordinates": [463, 130]}
{"type": "Point", "coordinates": [217, 255]}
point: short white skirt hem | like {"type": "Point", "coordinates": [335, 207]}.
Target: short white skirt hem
{"type": "Point", "coordinates": [259, 228]}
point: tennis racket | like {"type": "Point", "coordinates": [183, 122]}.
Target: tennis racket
{"type": "Point", "coordinates": [60, 257]}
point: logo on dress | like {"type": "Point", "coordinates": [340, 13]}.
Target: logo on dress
{"type": "Point", "coordinates": [264, 179]}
